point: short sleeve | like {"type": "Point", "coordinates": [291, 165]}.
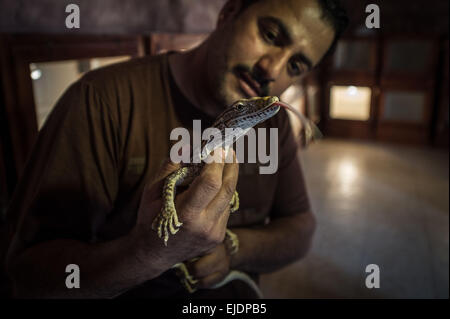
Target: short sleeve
{"type": "Point", "coordinates": [291, 196]}
{"type": "Point", "coordinates": [70, 180]}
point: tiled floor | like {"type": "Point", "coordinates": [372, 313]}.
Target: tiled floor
{"type": "Point", "coordinates": [375, 204]}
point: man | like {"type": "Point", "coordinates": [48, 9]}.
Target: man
{"type": "Point", "coordinates": [92, 186]}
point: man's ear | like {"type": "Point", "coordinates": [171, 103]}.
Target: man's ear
{"type": "Point", "coordinates": [229, 11]}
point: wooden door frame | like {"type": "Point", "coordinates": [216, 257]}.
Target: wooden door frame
{"type": "Point", "coordinates": [400, 131]}
{"type": "Point", "coordinates": [159, 42]}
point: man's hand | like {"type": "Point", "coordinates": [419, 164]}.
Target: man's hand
{"type": "Point", "coordinates": [211, 268]}
{"type": "Point", "coordinates": [203, 209]}
{"type": "Point", "coordinates": [112, 267]}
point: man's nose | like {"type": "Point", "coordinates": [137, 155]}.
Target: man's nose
{"type": "Point", "coordinates": [271, 65]}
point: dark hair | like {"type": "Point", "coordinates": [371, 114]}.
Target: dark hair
{"type": "Point", "coordinates": [335, 14]}
{"type": "Point", "coordinates": [332, 12]}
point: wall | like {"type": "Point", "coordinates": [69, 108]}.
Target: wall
{"type": "Point", "coordinates": [110, 16]}
{"type": "Point", "coordinates": [402, 16]}
{"type": "Point", "coordinates": [140, 16]}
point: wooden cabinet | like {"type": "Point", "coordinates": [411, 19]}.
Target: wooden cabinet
{"type": "Point", "coordinates": [399, 73]}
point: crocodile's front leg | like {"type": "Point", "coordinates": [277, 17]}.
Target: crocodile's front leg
{"type": "Point", "coordinates": [234, 204]}
{"type": "Point", "coordinates": [167, 220]}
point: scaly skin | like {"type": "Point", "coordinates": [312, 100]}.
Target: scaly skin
{"type": "Point", "coordinates": [243, 114]}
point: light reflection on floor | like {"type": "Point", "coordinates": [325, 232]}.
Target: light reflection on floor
{"type": "Point", "coordinates": [375, 203]}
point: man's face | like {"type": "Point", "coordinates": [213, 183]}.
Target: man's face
{"type": "Point", "coordinates": [266, 48]}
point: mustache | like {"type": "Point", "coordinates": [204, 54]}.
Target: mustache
{"type": "Point", "coordinates": [256, 74]}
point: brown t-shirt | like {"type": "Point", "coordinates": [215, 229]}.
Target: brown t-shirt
{"type": "Point", "coordinates": [106, 138]}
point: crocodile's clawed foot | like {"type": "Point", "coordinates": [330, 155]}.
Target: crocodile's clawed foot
{"type": "Point", "coordinates": [166, 224]}
{"type": "Point", "coordinates": [186, 279]}
{"type": "Point", "coordinates": [234, 204]}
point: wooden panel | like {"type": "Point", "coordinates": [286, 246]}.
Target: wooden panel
{"type": "Point", "coordinates": [163, 42]}
{"type": "Point", "coordinates": [413, 45]}
{"type": "Point", "coordinates": [348, 129]}
{"type": "Point", "coordinates": [40, 48]}
{"type": "Point", "coordinates": [366, 68]}
{"type": "Point", "coordinates": [404, 131]}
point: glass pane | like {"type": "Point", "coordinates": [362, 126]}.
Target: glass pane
{"type": "Point", "coordinates": [352, 55]}
{"type": "Point", "coordinates": [350, 102]}
{"type": "Point", "coordinates": [404, 106]}
{"type": "Point", "coordinates": [50, 80]}
{"type": "Point", "coordinates": [408, 56]}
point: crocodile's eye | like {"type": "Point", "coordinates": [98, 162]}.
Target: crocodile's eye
{"type": "Point", "coordinates": [239, 106]}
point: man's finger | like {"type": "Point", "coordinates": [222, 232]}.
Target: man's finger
{"type": "Point", "coordinates": [205, 186]}
{"type": "Point", "coordinates": [222, 200]}
{"type": "Point", "coordinates": [204, 266]}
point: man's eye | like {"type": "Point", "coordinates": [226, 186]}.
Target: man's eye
{"type": "Point", "coordinates": [268, 33]}
{"type": "Point", "coordinates": [270, 36]}
{"type": "Point", "coordinates": [295, 68]}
